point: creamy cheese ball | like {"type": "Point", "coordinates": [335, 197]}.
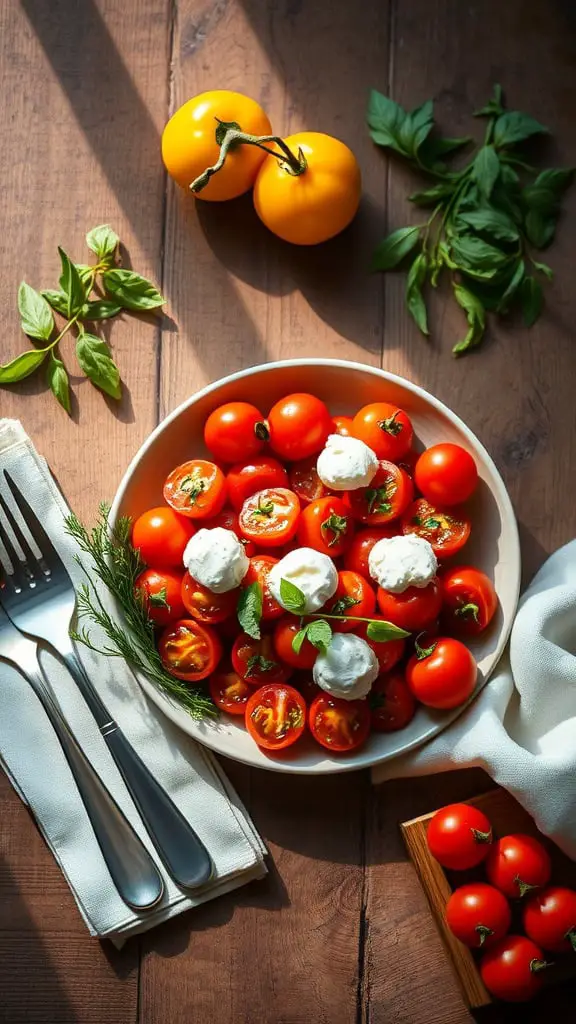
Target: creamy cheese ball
{"type": "Point", "coordinates": [396, 563]}
{"type": "Point", "coordinates": [217, 559]}
{"type": "Point", "coordinates": [311, 571]}
{"type": "Point", "coordinates": [348, 668]}
{"type": "Point", "coordinates": [346, 463]}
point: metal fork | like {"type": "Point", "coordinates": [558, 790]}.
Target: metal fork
{"type": "Point", "coordinates": [40, 599]}
{"type": "Point", "coordinates": [132, 869]}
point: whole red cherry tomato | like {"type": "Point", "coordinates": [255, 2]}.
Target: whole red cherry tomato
{"type": "Point", "coordinates": [550, 919]}
{"type": "Point", "coordinates": [327, 526]}
{"type": "Point", "coordinates": [446, 532]}
{"type": "Point", "coordinates": [512, 969]}
{"type": "Point", "coordinates": [446, 474]}
{"type": "Point", "coordinates": [196, 489]}
{"type": "Point", "coordinates": [204, 605]}
{"type": "Point", "coordinates": [518, 863]}
{"type": "Point", "coordinates": [160, 535]}
{"type": "Point", "coordinates": [343, 426]}
{"type": "Point", "coordinates": [252, 475]}
{"type": "Point", "coordinates": [442, 675]}
{"type": "Point", "coordinates": [189, 651]}
{"type": "Point", "coordinates": [414, 609]}
{"type": "Point", "coordinates": [459, 836]}
{"type": "Point", "coordinates": [356, 556]}
{"type": "Point", "coordinates": [299, 425]}
{"type": "Point", "coordinates": [159, 592]}
{"type": "Point", "coordinates": [276, 716]}
{"type": "Point", "coordinates": [305, 482]}
{"type": "Point", "coordinates": [353, 597]}
{"type": "Point", "coordinates": [387, 497]}
{"type": "Point", "coordinates": [256, 661]}
{"type": "Point", "coordinates": [392, 705]}
{"type": "Point", "coordinates": [258, 572]}
{"type": "Point", "coordinates": [469, 598]}
{"type": "Point", "coordinates": [339, 725]}
{"type": "Point", "coordinates": [284, 633]}
{"type": "Point", "coordinates": [229, 692]}
{"type": "Point", "coordinates": [270, 517]}
{"type": "Point", "coordinates": [385, 428]}
{"type": "Point", "coordinates": [478, 915]}
{"type": "Point", "coordinates": [235, 431]}
{"type": "Point", "coordinates": [227, 518]}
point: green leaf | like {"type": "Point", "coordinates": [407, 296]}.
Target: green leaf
{"type": "Point", "coordinates": [416, 127]}
{"type": "Point", "coordinates": [512, 288]}
{"type": "Point", "coordinates": [414, 297]}
{"type": "Point", "coordinates": [249, 610]}
{"type": "Point", "coordinates": [35, 313]}
{"type": "Point", "coordinates": [435, 147]}
{"type": "Point", "coordinates": [385, 119]}
{"type": "Point", "coordinates": [84, 270]}
{"type": "Point", "coordinates": [299, 639]}
{"type": "Point", "coordinates": [513, 127]}
{"type": "Point", "coordinates": [319, 634]}
{"type": "Point", "coordinates": [94, 357]}
{"type": "Point", "coordinates": [475, 315]}
{"type": "Point", "coordinates": [103, 241]}
{"type": "Point", "coordinates": [394, 248]}
{"type": "Point", "coordinates": [477, 254]}
{"type": "Point", "coordinates": [22, 366]}
{"type": "Point", "coordinates": [532, 300]}
{"type": "Point", "coordinates": [381, 632]}
{"type": "Point", "coordinates": [492, 222]}
{"type": "Point", "coordinates": [72, 285]}
{"type": "Point", "coordinates": [57, 380]}
{"type": "Point", "coordinates": [291, 597]}
{"type": "Point", "coordinates": [131, 291]}
{"type": "Point", "coordinates": [540, 229]}
{"type": "Point", "coordinates": [494, 106]}
{"type": "Point", "coordinates": [544, 269]}
{"type": "Point", "coordinates": [57, 300]}
{"type": "Point", "coordinates": [486, 170]}
{"type": "Point", "coordinates": [100, 309]}
{"type": "Point", "coordinates": [541, 199]}
{"type": "Point", "coordinates": [554, 181]}
{"type": "Point", "coordinates": [433, 195]}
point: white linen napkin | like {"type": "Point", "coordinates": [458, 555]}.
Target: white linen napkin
{"type": "Point", "coordinates": [522, 726]}
{"type": "Point", "coordinates": [38, 770]}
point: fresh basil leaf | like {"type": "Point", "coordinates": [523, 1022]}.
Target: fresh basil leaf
{"type": "Point", "coordinates": [100, 309]}
{"type": "Point", "coordinates": [58, 382]}
{"type": "Point", "coordinates": [544, 269]}
{"type": "Point", "coordinates": [381, 632]}
{"type": "Point", "coordinates": [57, 300]}
{"type": "Point", "coordinates": [513, 126]}
{"type": "Point", "coordinates": [532, 300]}
{"type": "Point", "coordinates": [319, 634]}
{"type": "Point", "coordinates": [416, 127]}
{"type": "Point", "coordinates": [22, 366]}
{"type": "Point", "coordinates": [394, 248]}
{"type": "Point", "coordinates": [508, 175]}
{"type": "Point", "coordinates": [299, 639]}
{"type": "Point", "coordinates": [541, 199]}
{"type": "Point", "coordinates": [474, 252]}
{"type": "Point", "coordinates": [475, 315]}
{"type": "Point", "coordinates": [433, 195]}
{"type": "Point", "coordinates": [512, 287]}
{"type": "Point", "coordinates": [385, 119]}
{"type": "Point", "coordinates": [291, 597]}
{"type": "Point", "coordinates": [540, 229]}
{"type": "Point", "coordinates": [94, 357]}
{"type": "Point", "coordinates": [71, 284]}
{"type": "Point", "coordinates": [486, 170]}
{"type": "Point", "coordinates": [36, 317]}
{"type": "Point", "coordinates": [492, 222]}
{"type": "Point", "coordinates": [435, 147]}
{"type": "Point", "coordinates": [555, 180]}
{"type": "Point", "coordinates": [103, 241]}
{"type": "Point", "coordinates": [85, 271]}
{"type": "Point", "coordinates": [249, 609]}
{"type": "Point", "coordinates": [131, 290]}
{"type": "Point", "coordinates": [494, 107]}
{"type": "Point", "coordinates": [414, 297]}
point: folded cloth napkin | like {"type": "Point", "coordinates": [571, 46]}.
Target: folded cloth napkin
{"type": "Point", "coordinates": [38, 770]}
{"type": "Point", "coordinates": [522, 726]}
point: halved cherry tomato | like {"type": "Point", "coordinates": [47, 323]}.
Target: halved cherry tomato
{"type": "Point", "coordinates": [550, 919]}
{"type": "Point", "coordinates": [276, 716]}
{"type": "Point", "coordinates": [414, 609]}
{"type": "Point", "coordinates": [478, 914]}
{"type": "Point", "coordinates": [189, 651]}
{"type": "Point", "coordinates": [229, 692]}
{"type": "Point", "coordinates": [258, 572]}
{"type": "Point", "coordinates": [339, 725]}
{"type": "Point", "coordinates": [227, 518]}
{"type": "Point", "coordinates": [245, 478]}
{"type": "Point", "coordinates": [388, 652]}
{"type": "Point", "coordinates": [160, 535]}
{"type": "Point", "coordinates": [256, 661]}
{"type": "Point", "coordinates": [447, 532]}
{"type": "Point", "coordinates": [443, 675]}
{"type": "Point", "coordinates": [513, 968]}
{"type": "Point", "coordinates": [235, 431]}
{"type": "Point", "coordinates": [459, 836]}
{"type": "Point", "coordinates": [356, 556]}
{"type": "Point", "coordinates": [354, 596]}
{"type": "Point", "coordinates": [343, 426]}
{"type": "Point", "coordinates": [446, 474]}
{"type": "Point", "coordinates": [159, 592]}
{"type": "Point", "coordinates": [270, 517]}
{"type": "Point", "coordinates": [385, 428]}
{"type": "Point", "coordinates": [196, 489]}
{"type": "Point", "coordinates": [327, 526]}
{"type": "Point", "coordinates": [305, 482]}
{"type": "Point", "coordinates": [204, 605]}
{"type": "Point", "coordinates": [284, 634]}
{"type": "Point", "coordinates": [390, 492]}
{"type": "Point", "coordinates": [299, 425]}
{"type": "Point", "coordinates": [392, 705]}
{"type": "Point", "coordinates": [470, 600]}
{"type": "Point", "coordinates": [518, 863]}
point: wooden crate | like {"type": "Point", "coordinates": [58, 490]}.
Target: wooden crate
{"type": "Point", "coordinates": [506, 816]}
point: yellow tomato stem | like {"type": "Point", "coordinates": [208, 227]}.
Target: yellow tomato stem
{"type": "Point", "coordinates": [294, 163]}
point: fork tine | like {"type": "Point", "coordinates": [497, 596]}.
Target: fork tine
{"type": "Point", "coordinates": [45, 546]}
{"type": "Point", "coordinates": [17, 577]}
{"type": "Point", "coordinates": [29, 556]}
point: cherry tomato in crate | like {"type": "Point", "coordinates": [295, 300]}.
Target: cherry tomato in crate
{"type": "Point", "coordinates": [550, 919]}
{"type": "Point", "coordinates": [512, 969]}
{"type": "Point", "coordinates": [478, 914]}
{"type": "Point", "coordinates": [517, 864]}
{"type": "Point", "coordinates": [459, 836]}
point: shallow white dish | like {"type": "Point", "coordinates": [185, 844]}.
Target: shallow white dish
{"type": "Point", "coordinates": [345, 387]}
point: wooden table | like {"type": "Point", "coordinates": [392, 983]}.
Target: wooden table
{"type": "Point", "coordinates": [339, 932]}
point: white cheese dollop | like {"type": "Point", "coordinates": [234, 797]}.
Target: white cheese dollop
{"type": "Point", "coordinates": [346, 463]}
{"type": "Point", "coordinates": [311, 571]}
{"type": "Point", "coordinates": [217, 559]}
{"type": "Point", "coordinates": [397, 563]}
{"type": "Point", "coordinates": [348, 668]}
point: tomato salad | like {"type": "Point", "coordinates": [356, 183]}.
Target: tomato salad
{"type": "Point", "coordinates": [298, 572]}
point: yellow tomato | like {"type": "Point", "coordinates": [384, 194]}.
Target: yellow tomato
{"type": "Point", "coordinates": [317, 204]}
{"type": "Point", "coordinates": [189, 143]}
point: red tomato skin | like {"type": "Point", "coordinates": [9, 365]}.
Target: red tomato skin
{"type": "Point", "coordinates": [305, 482]}
{"type": "Point", "coordinates": [235, 431]}
{"type": "Point", "coordinates": [516, 861]}
{"type": "Point", "coordinates": [356, 714]}
{"type": "Point", "coordinates": [459, 836]}
{"type": "Point", "coordinates": [414, 609]}
{"type": "Point", "coordinates": [243, 648]}
{"type": "Point", "coordinates": [388, 653]}
{"type": "Point", "coordinates": [465, 587]}
{"type": "Point", "coordinates": [446, 474]}
{"type": "Point", "coordinates": [391, 443]}
{"type": "Point", "coordinates": [356, 556]}
{"type": "Point", "coordinates": [397, 493]}
{"type": "Point", "coordinates": [284, 633]}
{"type": "Point", "coordinates": [313, 534]}
{"type": "Point", "coordinates": [549, 919]}
{"type": "Point", "coordinates": [392, 705]}
{"type": "Point", "coordinates": [227, 518]}
{"type": "Point", "coordinates": [274, 693]}
{"type": "Point", "coordinates": [161, 535]}
{"type": "Point", "coordinates": [203, 605]}
{"type": "Point", "coordinates": [506, 969]}
{"type": "Point", "coordinates": [343, 426]}
{"type": "Point", "coordinates": [229, 692]}
{"type": "Point", "coordinates": [258, 572]}
{"type": "Point", "coordinates": [211, 638]}
{"type": "Point", "coordinates": [251, 475]}
{"type": "Point", "coordinates": [282, 524]}
{"type": "Point", "coordinates": [351, 584]}
{"type": "Point", "coordinates": [475, 910]}
{"type": "Point", "coordinates": [299, 426]}
{"type": "Point", "coordinates": [150, 583]}
{"type": "Point", "coordinates": [445, 678]}
{"type": "Point", "coordinates": [456, 527]}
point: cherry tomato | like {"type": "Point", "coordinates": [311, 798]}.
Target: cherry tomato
{"type": "Point", "coordinates": [392, 705]}
{"type": "Point", "coordinates": [229, 692]}
{"type": "Point", "coordinates": [327, 526]}
{"type": "Point", "coordinates": [196, 489]}
{"type": "Point", "coordinates": [550, 919]}
{"type": "Point", "coordinates": [389, 494]}
{"type": "Point", "coordinates": [235, 431]}
{"type": "Point", "coordinates": [160, 535]}
{"type": "Point", "coordinates": [478, 915]}
{"type": "Point", "coordinates": [385, 428]}
{"type": "Point", "coordinates": [309, 207]}
{"type": "Point", "coordinates": [189, 651]}
{"type": "Point", "coordinates": [284, 634]}
{"type": "Point", "coordinates": [189, 144]}
{"type": "Point", "coordinates": [512, 969]}
{"type": "Point", "coordinates": [339, 725]}
{"type": "Point", "coordinates": [343, 426]}
{"type": "Point", "coordinates": [469, 598]}
{"type": "Point", "coordinates": [446, 474]}
{"type": "Point", "coordinates": [356, 556]}
{"type": "Point", "coordinates": [256, 661]}
{"type": "Point", "coordinates": [205, 606]}
{"type": "Point", "coordinates": [518, 863]}
{"type": "Point", "coordinates": [248, 477]}
{"type": "Point", "coordinates": [408, 462]}
{"type": "Point", "coordinates": [276, 716]}
{"type": "Point", "coordinates": [443, 675]}
{"type": "Point", "coordinates": [270, 517]}
{"type": "Point", "coordinates": [258, 572]}
{"type": "Point", "coordinates": [388, 652]}
{"type": "Point", "coordinates": [305, 482]}
{"type": "Point", "coordinates": [447, 532]}
{"type": "Point", "coordinates": [459, 836]}
{"type": "Point", "coordinates": [227, 518]}
{"type": "Point", "coordinates": [354, 596]}
{"type": "Point", "coordinates": [299, 425]}
{"type": "Point", "coordinates": [159, 592]}
{"type": "Point", "coordinates": [414, 609]}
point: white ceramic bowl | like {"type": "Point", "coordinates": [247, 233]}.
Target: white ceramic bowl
{"type": "Point", "coordinates": [345, 387]}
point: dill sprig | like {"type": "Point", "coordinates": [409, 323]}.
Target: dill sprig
{"type": "Point", "coordinates": [117, 565]}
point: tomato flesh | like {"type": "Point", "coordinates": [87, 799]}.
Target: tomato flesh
{"type": "Point", "coordinates": [229, 692]}
{"type": "Point", "coordinates": [189, 651]}
{"type": "Point", "coordinates": [305, 482]}
{"type": "Point", "coordinates": [389, 494]}
{"type": "Point", "coordinates": [446, 532]}
{"type": "Point", "coordinates": [196, 489]}
{"type": "Point", "coordinates": [256, 661]}
{"type": "Point", "coordinates": [270, 517]}
{"type": "Point", "coordinates": [205, 606]}
{"type": "Point", "coordinates": [276, 716]}
{"type": "Point", "coordinates": [246, 477]}
{"type": "Point", "coordinates": [339, 725]}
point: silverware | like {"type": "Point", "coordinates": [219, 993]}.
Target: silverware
{"type": "Point", "coordinates": [132, 869]}
{"type": "Point", "coordinates": [40, 599]}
